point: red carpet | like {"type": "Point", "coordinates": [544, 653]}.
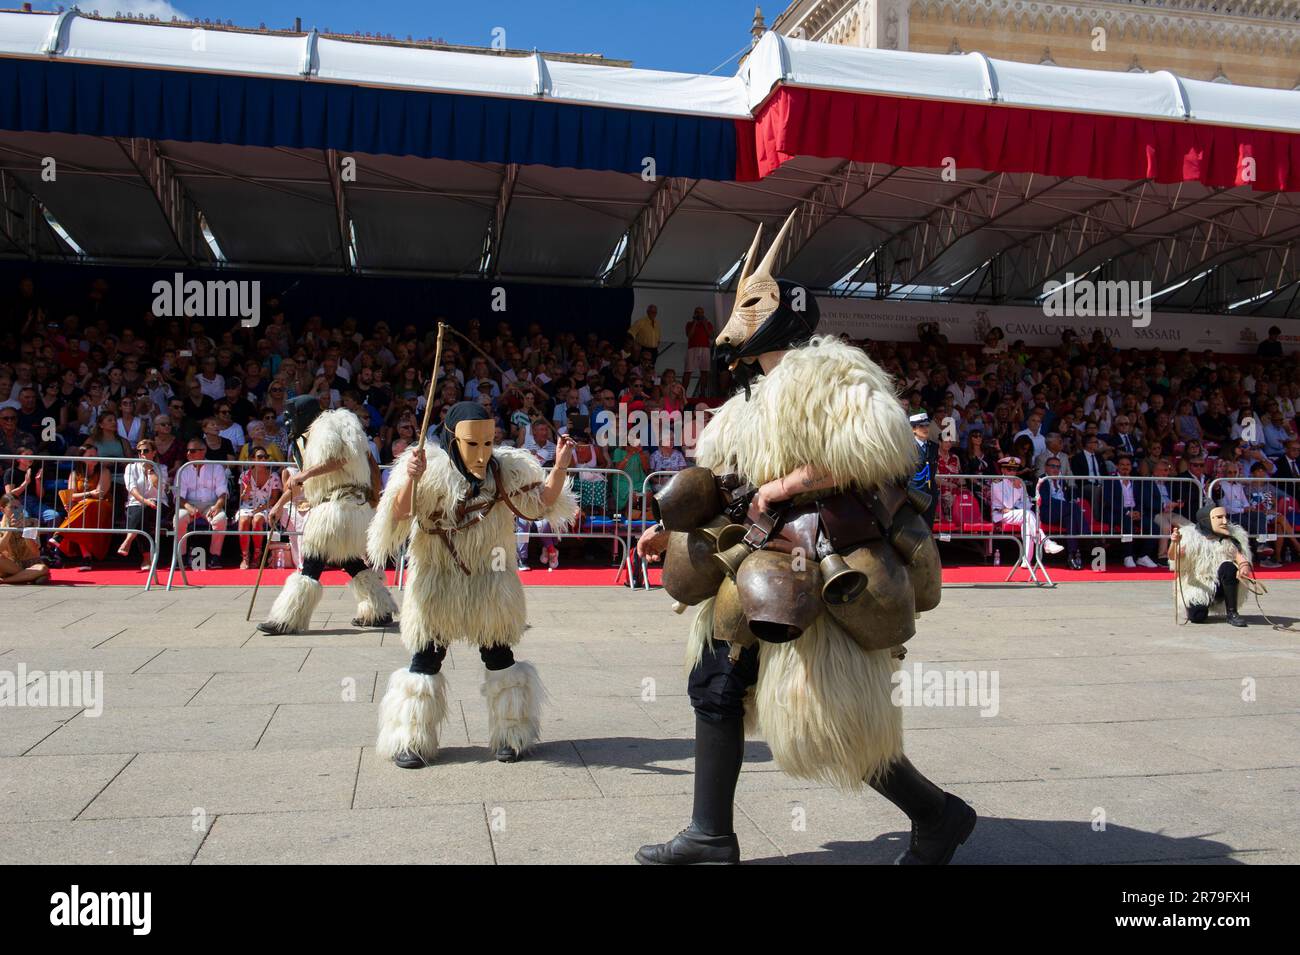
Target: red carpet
{"type": "Point", "coordinates": [602, 576]}
{"type": "Point", "coordinates": [273, 578]}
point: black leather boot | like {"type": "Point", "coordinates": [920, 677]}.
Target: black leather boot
{"type": "Point", "coordinates": [385, 621]}
{"type": "Point", "coordinates": [275, 629]}
{"type": "Point", "coordinates": [408, 760]}
{"type": "Point", "coordinates": [1231, 586]}
{"type": "Point", "coordinates": [710, 839]}
{"type": "Point", "coordinates": [940, 821]}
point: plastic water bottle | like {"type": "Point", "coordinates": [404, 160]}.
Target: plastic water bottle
{"type": "Point", "coordinates": [997, 557]}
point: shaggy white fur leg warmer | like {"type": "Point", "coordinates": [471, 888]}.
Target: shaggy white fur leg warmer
{"type": "Point", "coordinates": [296, 603]}
{"type": "Point", "coordinates": [412, 710]}
{"type": "Point", "coordinates": [374, 602]}
{"type": "Point", "coordinates": [514, 699]}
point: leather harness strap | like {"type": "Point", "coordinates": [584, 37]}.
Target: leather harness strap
{"type": "Point", "coordinates": [476, 512]}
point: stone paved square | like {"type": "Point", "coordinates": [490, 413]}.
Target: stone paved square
{"type": "Point", "coordinates": [217, 744]}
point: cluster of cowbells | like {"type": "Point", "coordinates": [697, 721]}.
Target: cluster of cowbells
{"type": "Point", "coordinates": [874, 592]}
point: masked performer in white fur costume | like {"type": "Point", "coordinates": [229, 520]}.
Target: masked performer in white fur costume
{"type": "Point", "coordinates": [809, 559]}
{"type": "Point", "coordinates": [341, 483]}
{"type": "Point", "coordinates": [458, 513]}
{"type": "Point", "coordinates": [1210, 557]}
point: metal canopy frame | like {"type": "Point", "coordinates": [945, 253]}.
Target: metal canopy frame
{"type": "Point", "coordinates": [979, 237]}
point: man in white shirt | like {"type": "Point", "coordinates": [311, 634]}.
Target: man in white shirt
{"type": "Point", "coordinates": [1011, 507]}
{"type": "Point", "coordinates": [1034, 430]}
{"type": "Point", "coordinates": [962, 393]}
{"type": "Point", "coordinates": [538, 440]}
{"type": "Point", "coordinates": [201, 496]}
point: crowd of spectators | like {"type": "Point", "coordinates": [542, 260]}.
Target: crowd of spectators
{"type": "Point", "coordinates": [100, 379]}
{"type": "Point", "coordinates": [1085, 411]}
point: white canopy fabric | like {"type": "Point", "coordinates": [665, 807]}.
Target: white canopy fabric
{"type": "Point", "coordinates": [971, 77]}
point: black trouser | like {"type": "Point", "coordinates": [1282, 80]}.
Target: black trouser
{"type": "Point", "coordinates": [717, 685]}
{"type": "Point", "coordinates": [313, 567]}
{"type": "Point", "coordinates": [429, 660]}
{"type": "Point", "coordinates": [1225, 589]}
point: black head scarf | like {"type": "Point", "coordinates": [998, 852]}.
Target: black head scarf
{"type": "Point", "coordinates": [463, 411]}
{"type": "Point", "coordinates": [299, 414]}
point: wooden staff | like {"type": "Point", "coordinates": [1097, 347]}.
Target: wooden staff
{"type": "Point", "coordinates": [261, 567]}
{"type": "Point", "coordinates": [499, 370]}
{"type": "Point", "coordinates": [433, 383]}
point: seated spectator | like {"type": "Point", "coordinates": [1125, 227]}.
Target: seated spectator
{"type": "Point", "coordinates": [979, 458]}
{"type": "Point", "coordinates": [1010, 505]}
{"type": "Point", "coordinates": [129, 427]}
{"type": "Point", "coordinates": [146, 487]}
{"type": "Point", "coordinates": [949, 463]}
{"type": "Point", "coordinates": [1169, 503]}
{"type": "Point", "coordinates": [257, 441]}
{"type": "Point", "coordinates": [543, 449]}
{"type": "Point", "coordinates": [590, 486]}
{"type": "Point", "coordinates": [1123, 439]}
{"type": "Point", "coordinates": [103, 435]}
{"type": "Point", "coordinates": [1187, 425]}
{"type": "Point", "coordinates": [1288, 466]}
{"type": "Point", "coordinates": [201, 493]}
{"type": "Point", "coordinates": [88, 504]}
{"type": "Point", "coordinates": [216, 446]}
{"type": "Point", "coordinates": [634, 462]}
{"type": "Point", "coordinates": [259, 487]}
{"type": "Point", "coordinates": [229, 430]}
{"type": "Point", "coordinates": [1059, 506]}
{"type": "Point", "coordinates": [24, 479]}
{"type": "Point", "coordinates": [1127, 505]}
{"type": "Point", "coordinates": [20, 557]}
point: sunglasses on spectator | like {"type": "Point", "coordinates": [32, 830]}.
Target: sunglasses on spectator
{"type": "Point", "coordinates": [8, 417]}
{"type": "Point", "coordinates": [193, 450]}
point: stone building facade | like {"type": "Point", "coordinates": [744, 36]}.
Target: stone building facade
{"type": "Point", "coordinates": [1249, 42]}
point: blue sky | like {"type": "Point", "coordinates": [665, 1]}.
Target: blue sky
{"type": "Point", "coordinates": [689, 35]}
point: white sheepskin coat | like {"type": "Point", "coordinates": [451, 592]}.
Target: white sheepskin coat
{"type": "Point", "coordinates": [441, 603]}
{"type": "Point", "coordinates": [823, 703]}
{"type": "Point", "coordinates": [336, 530]}
{"type": "Point", "coordinates": [1199, 558]}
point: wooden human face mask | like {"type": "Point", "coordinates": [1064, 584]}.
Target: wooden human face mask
{"type": "Point", "coordinates": [474, 441]}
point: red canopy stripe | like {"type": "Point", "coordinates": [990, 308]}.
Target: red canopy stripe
{"type": "Point", "coordinates": [915, 132]}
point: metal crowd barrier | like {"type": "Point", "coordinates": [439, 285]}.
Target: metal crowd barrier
{"type": "Point", "coordinates": [981, 529]}
{"type": "Point", "coordinates": [606, 523]}
{"type": "Point", "coordinates": [1100, 527]}
{"type": "Point", "coordinates": [117, 492]}
{"type": "Point", "coordinates": [272, 535]}
{"type": "Point", "coordinates": [1285, 509]}
{"type": "Point", "coordinates": [659, 478]}
{"type": "Point", "coordinates": [950, 525]}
